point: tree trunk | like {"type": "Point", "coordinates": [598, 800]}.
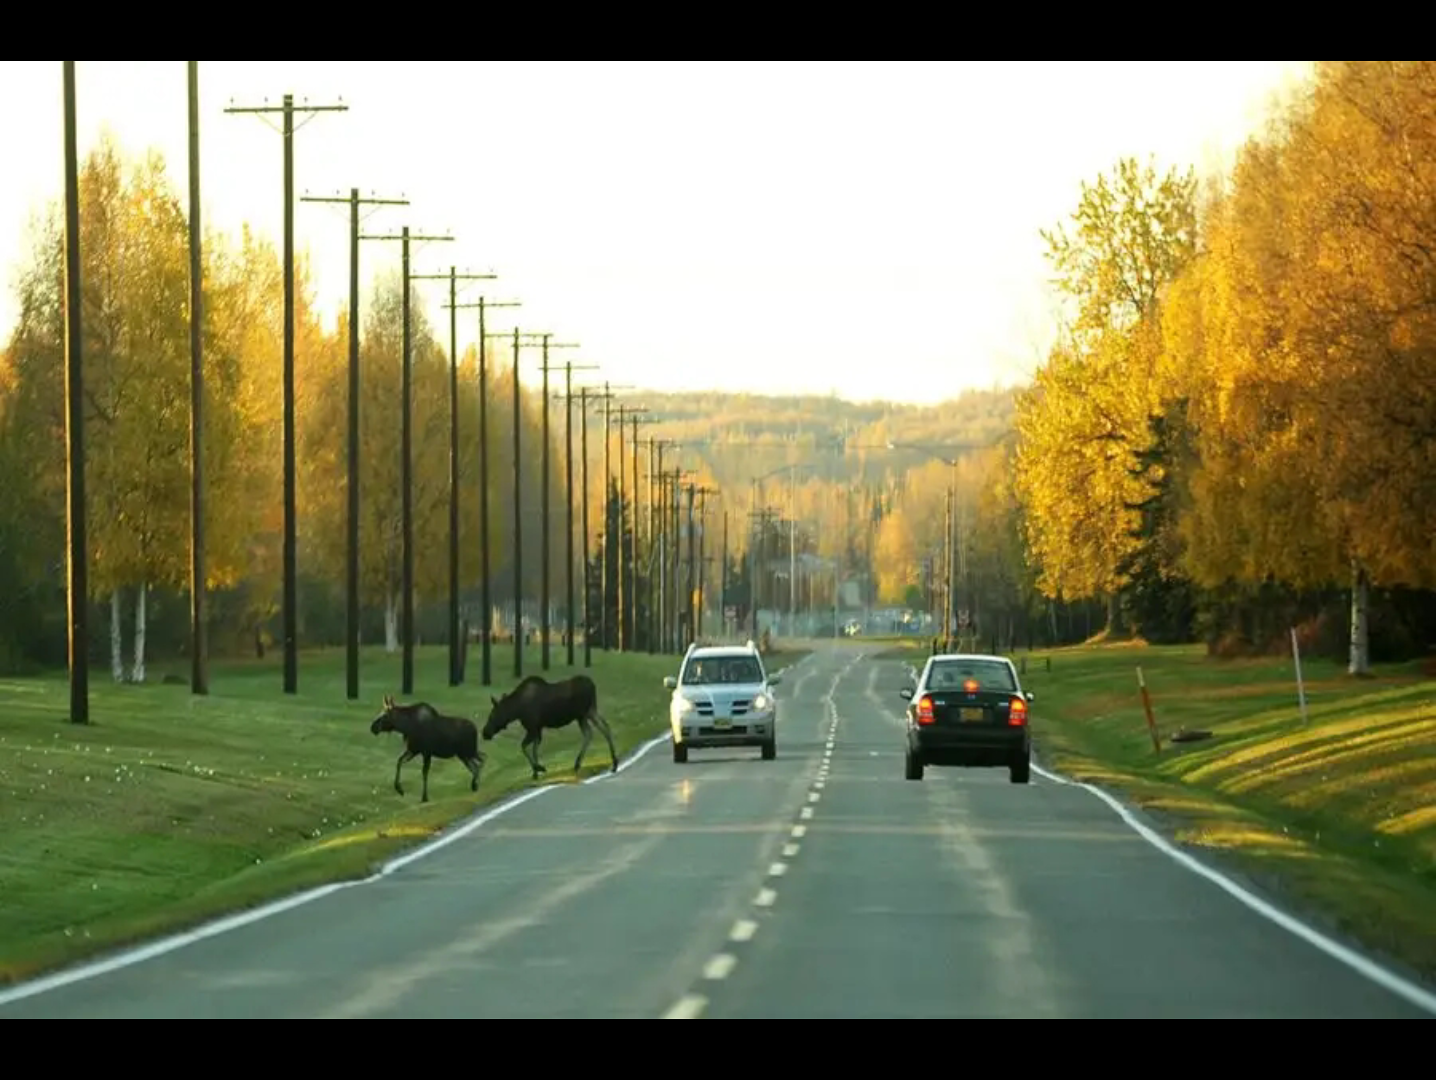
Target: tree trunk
{"type": "Point", "coordinates": [391, 622]}
{"type": "Point", "coordinates": [137, 672]}
{"type": "Point", "coordinates": [117, 639]}
{"type": "Point", "coordinates": [1360, 658]}
{"type": "Point", "coordinates": [1114, 614]}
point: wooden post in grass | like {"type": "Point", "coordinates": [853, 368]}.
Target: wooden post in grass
{"type": "Point", "coordinates": [1300, 686]}
{"type": "Point", "coordinates": [1147, 707]}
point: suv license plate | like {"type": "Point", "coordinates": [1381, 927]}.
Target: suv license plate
{"type": "Point", "coordinates": [722, 725]}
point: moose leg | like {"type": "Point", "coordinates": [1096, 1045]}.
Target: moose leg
{"type": "Point", "coordinates": [530, 747]}
{"type": "Point", "coordinates": [608, 737]}
{"type": "Point", "coordinates": [425, 797]}
{"type": "Point", "coordinates": [587, 729]}
{"type": "Point", "coordinates": [473, 765]}
{"type": "Point", "coordinates": [405, 756]}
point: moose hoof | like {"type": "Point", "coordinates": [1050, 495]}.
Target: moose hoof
{"type": "Point", "coordinates": [398, 789]}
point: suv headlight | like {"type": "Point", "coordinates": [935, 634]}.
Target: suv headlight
{"type": "Point", "coordinates": [682, 705]}
{"type": "Point", "coordinates": [763, 702]}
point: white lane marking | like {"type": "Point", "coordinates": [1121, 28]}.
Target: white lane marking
{"type": "Point", "coordinates": [799, 831]}
{"type": "Point", "coordinates": [818, 784]}
{"type": "Point", "coordinates": [813, 796]}
{"type": "Point", "coordinates": [689, 1007]}
{"type": "Point", "coordinates": [765, 898]}
{"type": "Point", "coordinates": [743, 930]}
{"type": "Point", "coordinates": [1417, 996]}
{"type": "Point", "coordinates": [149, 951]}
{"type": "Point", "coordinates": [626, 762]}
{"type": "Point", "coordinates": [777, 869]}
{"type": "Point", "coordinates": [806, 813]}
{"type": "Point", "coordinates": [789, 850]}
{"type": "Point", "coordinates": [720, 966]}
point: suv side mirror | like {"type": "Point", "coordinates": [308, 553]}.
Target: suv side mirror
{"type": "Point", "coordinates": [774, 680]}
{"type": "Point", "coordinates": [1030, 696]}
{"type": "Point", "coordinates": [905, 693]}
{"type": "Point", "coordinates": [670, 681]}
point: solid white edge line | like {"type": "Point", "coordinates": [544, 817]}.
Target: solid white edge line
{"type": "Point", "coordinates": [1389, 980]}
{"type": "Point", "coordinates": [141, 953]}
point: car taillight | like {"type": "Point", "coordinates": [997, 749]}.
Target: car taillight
{"type": "Point", "coordinates": [924, 710]}
{"type": "Point", "coordinates": [970, 686]}
{"type": "Point", "coordinates": [1017, 715]}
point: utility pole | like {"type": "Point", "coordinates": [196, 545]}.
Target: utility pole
{"type": "Point", "coordinates": [633, 577]}
{"type": "Point", "coordinates": [583, 437]}
{"type": "Point", "coordinates": [406, 480]}
{"type": "Point", "coordinates": [485, 597]}
{"type": "Point", "coordinates": [199, 648]}
{"type": "Point", "coordinates": [624, 580]}
{"type": "Point", "coordinates": [688, 591]}
{"type": "Point", "coordinates": [723, 576]}
{"type": "Point", "coordinates": [674, 511]}
{"type": "Point", "coordinates": [544, 629]}
{"type": "Point", "coordinates": [519, 505]}
{"type": "Point", "coordinates": [703, 494]}
{"type": "Point", "coordinates": [657, 560]}
{"type": "Point", "coordinates": [454, 277]}
{"type": "Point", "coordinates": [351, 577]}
{"type": "Point", "coordinates": [77, 563]}
{"type": "Point", "coordinates": [291, 589]}
{"type": "Point", "coordinates": [568, 369]}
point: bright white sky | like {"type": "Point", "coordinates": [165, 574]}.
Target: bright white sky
{"type": "Point", "coordinates": [865, 229]}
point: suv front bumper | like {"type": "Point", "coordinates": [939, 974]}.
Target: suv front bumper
{"type": "Point", "coordinates": [699, 731]}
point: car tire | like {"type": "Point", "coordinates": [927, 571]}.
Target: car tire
{"type": "Point", "coordinates": [1019, 771]}
{"type": "Point", "coordinates": [914, 766]}
{"type": "Point", "coordinates": [680, 753]}
{"type": "Point", "coordinates": [770, 749]}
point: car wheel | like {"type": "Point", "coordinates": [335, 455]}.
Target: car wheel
{"type": "Point", "coordinates": [914, 766]}
{"type": "Point", "coordinates": [680, 753]}
{"type": "Point", "coordinates": [770, 749]}
{"type": "Point", "coordinates": [1019, 771]}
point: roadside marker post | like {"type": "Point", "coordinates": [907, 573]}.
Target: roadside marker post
{"type": "Point", "coordinates": [1300, 685]}
{"type": "Point", "coordinates": [1147, 707]}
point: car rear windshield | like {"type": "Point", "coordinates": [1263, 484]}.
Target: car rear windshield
{"type": "Point", "coordinates": [951, 674]}
{"type": "Point", "coordinates": [722, 669]}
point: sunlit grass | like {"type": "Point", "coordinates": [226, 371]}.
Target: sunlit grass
{"type": "Point", "coordinates": [1337, 810]}
{"type": "Point", "coordinates": [169, 808]}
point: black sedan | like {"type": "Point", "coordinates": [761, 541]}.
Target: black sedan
{"type": "Point", "coordinates": [968, 711]}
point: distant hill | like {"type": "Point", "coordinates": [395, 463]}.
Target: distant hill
{"type": "Point", "coordinates": [736, 437]}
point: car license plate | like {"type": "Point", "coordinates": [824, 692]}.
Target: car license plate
{"type": "Point", "coordinates": [722, 725]}
{"type": "Point", "coordinates": [970, 714]}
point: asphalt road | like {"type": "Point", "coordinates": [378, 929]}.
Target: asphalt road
{"type": "Point", "coordinates": [818, 885]}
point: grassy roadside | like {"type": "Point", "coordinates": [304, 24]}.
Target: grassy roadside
{"type": "Point", "coordinates": [1336, 816]}
{"type": "Point", "coordinates": [169, 809]}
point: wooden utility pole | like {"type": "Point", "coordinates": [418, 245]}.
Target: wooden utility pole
{"type": "Point", "coordinates": [544, 598]}
{"type": "Point", "coordinates": [624, 580]}
{"type": "Point", "coordinates": [351, 576]}
{"type": "Point", "coordinates": [485, 594]}
{"type": "Point", "coordinates": [515, 335]}
{"type": "Point", "coordinates": [453, 277]}
{"type": "Point", "coordinates": [406, 480]}
{"type": "Point", "coordinates": [77, 562]}
{"type": "Point", "coordinates": [199, 647]}
{"type": "Point", "coordinates": [291, 589]}
{"type": "Point", "coordinates": [702, 493]}
{"type": "Point", "coordinates": [568, 369]}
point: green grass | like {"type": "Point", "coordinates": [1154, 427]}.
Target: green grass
{"type": "Point", "coordinates": [169, 809]}
{"type": "Point", "coordinates": [1337, 814]}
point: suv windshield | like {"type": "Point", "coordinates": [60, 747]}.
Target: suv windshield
{"type": "Point", "coordinates": [951, 674]}
{"type": "Point", "coordinates": [722, 669]}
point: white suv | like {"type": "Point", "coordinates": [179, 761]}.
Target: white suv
{"type": "Point", "coordinates": [723, 697]}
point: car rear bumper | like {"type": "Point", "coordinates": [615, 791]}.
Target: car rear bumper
{"type": "Point", "coordinates": [986, 745]}
{"type": "Point", "coordinates": [703, 732]}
